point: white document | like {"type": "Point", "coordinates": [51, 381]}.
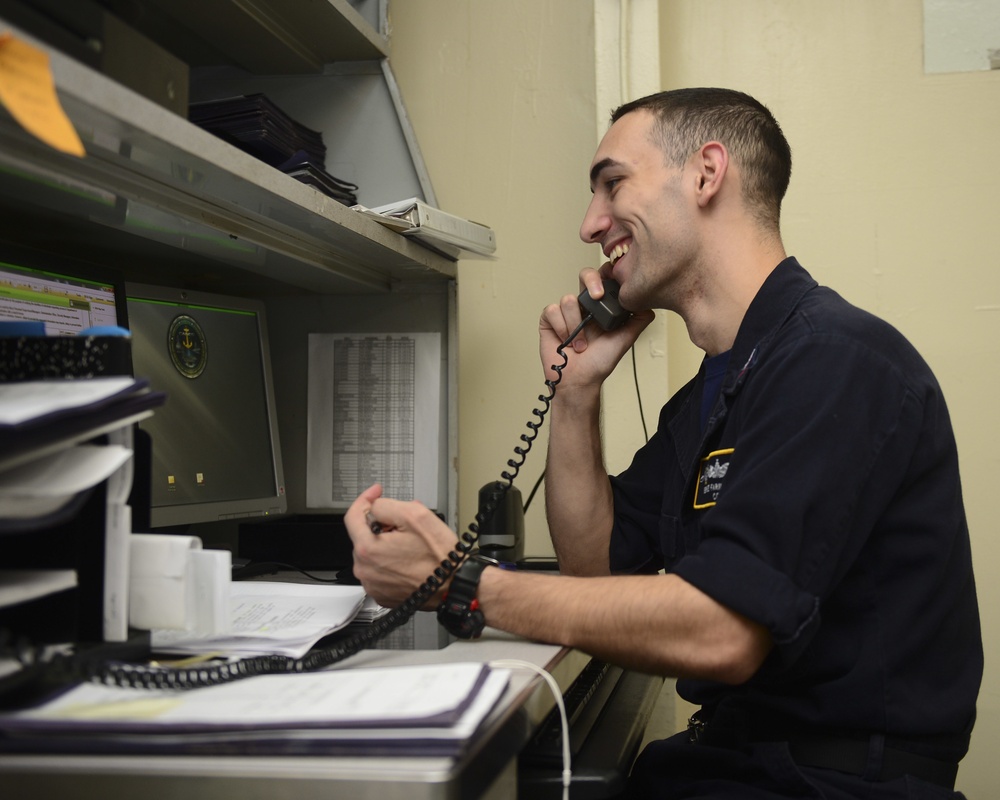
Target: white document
{"type": "Point", "coordinates": [120, 483]}
{"type": "Point", "coordinates": [374, 417]}
{"type": "Point", "coordinates": [25, 400]}
{"type": "Point", "coordinates": [44, 485]}
{"type": "Point", "coordinates": [455, 236]}
{"type": "Point", "coordinates": [209, 591]}
{"type": "Point", "coordinates": [385, 703]}
{"type": "Point", "coordinates": [118, 532]}
{"type": "Point", "coordinates": [158, 580]}
{"type": "Point", "coordinates": [272, 617]}
{"type": "Point", "coordinates": [176, 585]}
{"type": "Point", "coordinates": [370, 611]}
{"type": "Point", "coordinates": [21, 585]}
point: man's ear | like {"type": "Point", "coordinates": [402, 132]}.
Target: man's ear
{"type": "Point", "coordinates": [712, 165]}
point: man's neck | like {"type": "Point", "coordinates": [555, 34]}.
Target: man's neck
{"type": "Point", "coordinates": [715, 313]}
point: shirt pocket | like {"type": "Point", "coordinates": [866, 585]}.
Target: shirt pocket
{"type": "Point", "coordinates": [671, 541]}
{"type": "Point", "coordinates": [678, 537]}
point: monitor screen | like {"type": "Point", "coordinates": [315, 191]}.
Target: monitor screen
{"type": "Point", "coordinates": [215, 452]}
{"type": "Point", "coordinates": [65, 298]}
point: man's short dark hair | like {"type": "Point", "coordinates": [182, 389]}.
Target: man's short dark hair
{"type": "Point", "coordinates": [688, 118]}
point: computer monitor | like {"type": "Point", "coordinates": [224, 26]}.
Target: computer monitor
{"type": "Point", "coordinates": [215, 451]}
{"type": "Point", "coordinates": [66, 297]}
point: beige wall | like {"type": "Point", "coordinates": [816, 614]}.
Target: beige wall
{"type": "Point", "coordinates": [501, 97]}
{"type": "Point", "coordinates": [502, 100]}
{"type": "Point", "coordinates": [893, 203]}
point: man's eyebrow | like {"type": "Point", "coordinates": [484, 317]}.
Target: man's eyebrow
{"type": "Point", "coordinates": [601, 165]}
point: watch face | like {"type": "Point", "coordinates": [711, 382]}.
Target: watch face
{"type": "Point", "coordinates": [188, 346]}
{"type": "Point", "coordinates": [459, 613]}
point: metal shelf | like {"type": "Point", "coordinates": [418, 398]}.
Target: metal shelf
{"type": "Point", "coordinates": [267, 37]}
{"type": "Point", "coordinates": [161, 181]}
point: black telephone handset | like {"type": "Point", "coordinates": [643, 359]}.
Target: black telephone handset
{"type": "Point", "coordinates": [607, 311]}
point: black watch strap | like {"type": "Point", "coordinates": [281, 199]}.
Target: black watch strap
{"type": "Point", "coordinates": [459, 612]}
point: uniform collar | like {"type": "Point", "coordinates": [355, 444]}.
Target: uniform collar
{"type": "Point", "coordinates": [774, 303]}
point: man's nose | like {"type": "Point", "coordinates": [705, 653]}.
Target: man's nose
{"type": "Point", "coordinates": [596, 221]}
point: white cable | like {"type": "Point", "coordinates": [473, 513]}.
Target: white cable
{"type": "Point", "coordinates": [567, 772]}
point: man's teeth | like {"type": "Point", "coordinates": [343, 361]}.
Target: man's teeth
{"type": "Point", "coordinates": [618, 252]}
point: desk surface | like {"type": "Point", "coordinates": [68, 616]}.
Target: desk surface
{"type": "Point", "coordinates": [523, 706]}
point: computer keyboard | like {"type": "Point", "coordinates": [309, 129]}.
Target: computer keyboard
{"type": "Point", "coordinates": [585, 700]}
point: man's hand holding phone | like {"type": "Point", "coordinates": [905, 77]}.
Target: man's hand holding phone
{"type": "Point", "coordinates": [605, 340]}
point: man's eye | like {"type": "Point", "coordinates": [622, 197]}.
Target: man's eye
{"type": "Point", "coordinates": [611, 183]}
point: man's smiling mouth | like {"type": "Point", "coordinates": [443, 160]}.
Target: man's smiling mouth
{"type": "Point", "coordinates": [618, 252]}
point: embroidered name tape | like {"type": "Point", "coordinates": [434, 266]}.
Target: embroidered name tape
{"type": "Point", "coordinates": [711, 475]}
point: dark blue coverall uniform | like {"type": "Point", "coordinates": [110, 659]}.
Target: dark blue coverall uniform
{"type": "Point", "coordinates": [821, 499]}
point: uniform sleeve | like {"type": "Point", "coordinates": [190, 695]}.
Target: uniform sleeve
{"type": "Point", "coordinates": [635, 548]}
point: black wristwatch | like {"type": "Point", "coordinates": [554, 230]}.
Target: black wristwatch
{"type": "Point", "coordinates": [459, 612]}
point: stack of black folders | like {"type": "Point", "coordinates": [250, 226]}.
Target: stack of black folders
{"type": "Point", "coordinates": [254, 124]}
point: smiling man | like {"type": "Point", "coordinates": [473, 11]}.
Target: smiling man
{"type": "Point", "coordinates": [791, 543]}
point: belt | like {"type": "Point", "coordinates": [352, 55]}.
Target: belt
{"type": "Point", "coordinates": [868, 758]}
{"type": "Point", "coordinates": [871, 760]}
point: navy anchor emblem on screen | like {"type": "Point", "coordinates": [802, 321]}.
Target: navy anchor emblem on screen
{"type": "Point", "coordinates": [188, 346]}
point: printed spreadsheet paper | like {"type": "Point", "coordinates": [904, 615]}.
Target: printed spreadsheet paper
{"type": "Point", "coordinates": [374, 417]}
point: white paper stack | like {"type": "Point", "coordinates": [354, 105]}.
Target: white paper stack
{"type": "Point", "coordinates": [431, 710]}
{"type": "Point", "coordinates": [268, 617]}
{"type": "Point", "coordinates": [176, 585]}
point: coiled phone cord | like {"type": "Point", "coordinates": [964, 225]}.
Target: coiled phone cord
{"type": "Point", "coordinates": [159, 677]}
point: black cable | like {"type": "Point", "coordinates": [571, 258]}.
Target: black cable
{"type": "Point", "coordinates": [255, 568]}
{"type": "Point", "coordinates": [559, 350]}
{"type": "Point", "coordinates": [156, 677]}
{"type": "Point", "coordinates": [534, 489]}
{"type": "Point", "coordinates": [642, 419]}
{"type": "Point", "coordinates": [638, 395]}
